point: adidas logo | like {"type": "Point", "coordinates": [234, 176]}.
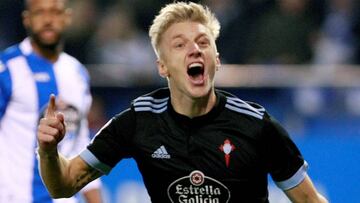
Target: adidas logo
{"type": "Point", "coordinates": [161, 153]}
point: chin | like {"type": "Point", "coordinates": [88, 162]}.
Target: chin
{"type": "Point", "coordinates": [49, 45]}
{"type": "Point", "coordinates": [200, 92]}
{"type": "Point", "coordinates": [46, 42]}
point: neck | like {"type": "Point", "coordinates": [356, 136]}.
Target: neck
{"type": "Point", "coordinates": [191, 107]}
{"type": "Point", "coordinates": [51, 53]}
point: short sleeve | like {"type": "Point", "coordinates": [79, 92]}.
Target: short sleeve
{"type": "Point", "coordinates": [112, 143]}
{"type": "Point", "coordinates": [283, 159]}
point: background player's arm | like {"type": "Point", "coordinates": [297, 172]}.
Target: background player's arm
{"type": "Point", "coordinates": [62, 177]}
{"type": "Point", "coordinates": [305, 192]}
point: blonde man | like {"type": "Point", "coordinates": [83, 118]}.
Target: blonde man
{"type": "Point", "coordinates": [192, 142]}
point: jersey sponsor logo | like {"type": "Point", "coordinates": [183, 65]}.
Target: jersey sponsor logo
{"type": "Point", "coordinates": [42, 77]}
{"type": "Point", "coordinates": [198, 188]}
{"type": "Point", "coordinates": [227, 148]}
{"type": "Point", "coordinates": [161, 153]}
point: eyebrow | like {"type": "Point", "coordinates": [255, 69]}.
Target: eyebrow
{"type": "Point", "coordinates": [177, 36]}
{"type": "Point", "coordinates": [196, 38]}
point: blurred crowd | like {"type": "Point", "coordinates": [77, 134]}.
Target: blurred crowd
{"type": "Point", "coordinates": [253, 31]}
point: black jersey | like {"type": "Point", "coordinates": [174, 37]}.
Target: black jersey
{"type": "Point", "coordinates": [223, 156]}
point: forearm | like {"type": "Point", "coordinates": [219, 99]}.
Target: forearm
{"type": "Point", "coordinates": [314, 199]}
{"type": "Point", "coordinates": [305, 192]}
{"type": "Point", "coordinates": [54, 170]}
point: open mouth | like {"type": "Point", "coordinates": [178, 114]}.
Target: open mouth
{"type": "Point", "coordinates": [196, 72]}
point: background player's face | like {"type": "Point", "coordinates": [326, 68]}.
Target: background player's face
{"type": "Point", "coordinates": [46, 20]}
{"type": "Point", "coordinates": [188, 58]}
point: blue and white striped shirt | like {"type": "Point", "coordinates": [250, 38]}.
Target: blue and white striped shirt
{"type": "Point", "coordinates": [26, 81]}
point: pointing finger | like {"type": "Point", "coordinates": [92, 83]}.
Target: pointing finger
{"type": "Point", "coordinates": [51, 108]}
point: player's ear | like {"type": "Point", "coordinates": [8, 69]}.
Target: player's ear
{"type": "Point", "coordinates": [162, 69]}
{"type": "Point", "coordinates": [26, 18]}
{"type": "Point", "coordinates": [68, 16]}
{"type": "Point", "coordinates": [218, 62]}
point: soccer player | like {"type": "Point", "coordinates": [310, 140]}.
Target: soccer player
{"type": "Point", "coordinates": [192, 142]}
{"type": "Point", "coordinates": [29, 72]}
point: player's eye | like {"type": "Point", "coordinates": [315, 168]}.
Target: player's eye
{"type": "Point", "coordinates": [203, 42]}
{"type": "Point", "coordinates": [179, 45]}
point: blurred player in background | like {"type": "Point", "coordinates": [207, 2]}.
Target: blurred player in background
{"type": "Point", "coordinates": [191, 142]}
{"type": "Point", "coordinates": [29, 72]}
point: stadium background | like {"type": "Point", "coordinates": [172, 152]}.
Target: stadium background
{"type": "Point", "coordinates": [304, 70]}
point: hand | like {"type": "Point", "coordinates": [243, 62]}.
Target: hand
{"type": "Point", "coordinates": [51, 129]}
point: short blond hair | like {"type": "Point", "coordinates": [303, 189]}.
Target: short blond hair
{"type": "Point", "coordinates": [179, 12]}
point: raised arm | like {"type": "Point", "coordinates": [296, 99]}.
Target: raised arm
{"type": "Point", "coordinates": [305, 192]}
{"type": "Point", "coordinates": [62, 177]}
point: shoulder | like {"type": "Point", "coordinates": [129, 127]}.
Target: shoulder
{"type": "Point", "coordinates": [155, 102]}
{"type": "Point", "coordinates": [73, 64]}
{"type": "Point", "coordinates": [10, 53]}
{"type": "Point", "coordinates": [68, 59]}
{"type": "Point", "coordinates": [235, 104]}
{"type": "Point", "coordinates": [21, 49]}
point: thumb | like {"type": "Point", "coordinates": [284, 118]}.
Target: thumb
{"type": "Point", "coordinates": [60, 116]}
{"type": "Point", "coordinates": [51, 108]}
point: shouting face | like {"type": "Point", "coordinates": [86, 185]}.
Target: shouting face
{"type": "Point", "coordinates": [189, 59]}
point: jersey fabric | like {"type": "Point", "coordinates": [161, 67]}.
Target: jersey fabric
{"type": "Point", "coordinates": [26, 82]}
{"type": "Point", "coordinates": [224, 156]}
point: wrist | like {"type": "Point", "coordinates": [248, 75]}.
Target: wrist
{"type": "Point", "coordinates": [47, 154]}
